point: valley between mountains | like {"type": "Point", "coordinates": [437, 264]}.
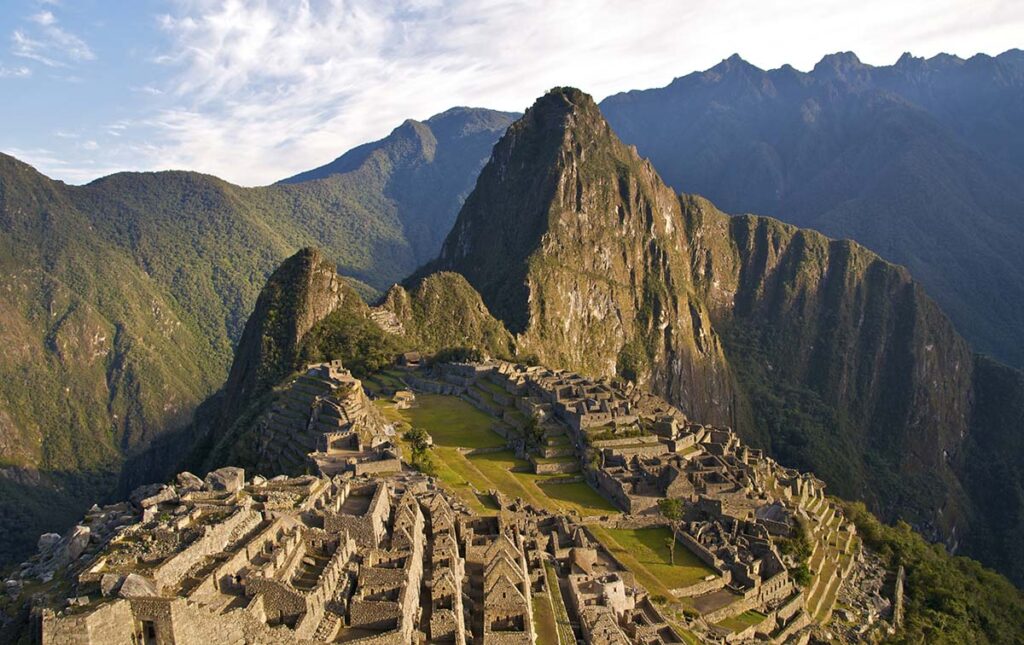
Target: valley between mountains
{"type": "Point", "coordinates": [562, 247]}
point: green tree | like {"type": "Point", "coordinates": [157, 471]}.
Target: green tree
{"type": "Point", "coordinates": [672, 510]}
{"type": "Point", "coordinates": [420, 445]}
{"type": "Point", "coordinates": [534, 432]}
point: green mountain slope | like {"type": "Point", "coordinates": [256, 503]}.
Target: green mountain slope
{"type": "Point", "coordinates": [920, 161]}
{"type": "Point", "coordinates": [123, 299]}
{"type": "Point", "coordinates": [98, 360]}
{"type": "Point", "coordinates": [816, 349]}
{"type": "Point", "coordinates": [947, 599]}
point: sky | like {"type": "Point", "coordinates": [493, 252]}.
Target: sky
{"type": "Point", "coordinates": [256, 90]}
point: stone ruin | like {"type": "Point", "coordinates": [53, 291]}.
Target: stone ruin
{"type": "Point", "coordinates": [322, 421]}
{"type": "Point", "coordinates": [369, 551]}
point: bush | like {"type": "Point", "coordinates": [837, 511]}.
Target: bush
{"type": "Point", "coordinates": [458, 355]}
{"type": "Point", "coordinates": [362, 346]}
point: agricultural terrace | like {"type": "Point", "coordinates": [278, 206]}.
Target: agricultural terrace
{"type": "Point", "coordinates": [457, 428]}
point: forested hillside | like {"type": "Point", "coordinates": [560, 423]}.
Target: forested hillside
{"type": "Point", "coordinates": [123, 299]}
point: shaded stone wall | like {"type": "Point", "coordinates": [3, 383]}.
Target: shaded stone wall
{"type": "Point", "coordinates": [213, 541]}
{"type": "Point", "coordinates": [113, 623]}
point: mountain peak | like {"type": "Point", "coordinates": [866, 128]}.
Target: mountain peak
{"type": "Point", "coordinates": [534, 184]}
{"type": "Point", "coordinates": [842, 66]}
{"type": "Point", "coordinates": [733, 64]}
{"type": "Point", "coordinates": [303, 290]}
{"type": "Point", "coordinates": [560, 101]}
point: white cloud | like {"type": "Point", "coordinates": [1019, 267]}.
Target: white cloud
{"type": "Point", "coordinates": [48, 43]}
{"type": "Point", "coordinates": [14, 72]}
{"type": "Point", "coordinates": [44, 18]}
{"type": "Point", "coordinates": [265, 88]}
{"type": "Point", "coordinates": [261, 89]}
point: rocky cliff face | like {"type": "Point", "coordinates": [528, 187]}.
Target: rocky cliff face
{"type": "Point", "coordinates": [299, 294]}
{"type": "Point", "coordinates": [816, 349]}
{"type": "Point", "coordinates": [845, 363]}
{"type": "Point", "coordinates": [576, 244]}
{"type": "Point", "coordinates": [920, 161]}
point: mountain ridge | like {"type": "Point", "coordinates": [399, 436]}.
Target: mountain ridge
{"type": "Point", "coordinates": [919, 161]}
{"type": "Point", "coordinates": [123, 299]}
{"type": "Point", "coordinates": [742, 320]}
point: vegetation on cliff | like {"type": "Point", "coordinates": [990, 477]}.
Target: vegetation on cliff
{"type": "Point", "coordinates": [948, 599]}
{"type": "Point", "coordinates": [121, 300]}
{"type": "Point", "coordinates": [817, 350]}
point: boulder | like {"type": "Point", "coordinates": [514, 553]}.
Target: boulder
{"type": "Point", "coordinates": [188, 481]}
{"type": "Point", "coordinates": [110, 583]}
{"type": "Point", "coordinates": [165, 494]}
{"type": "Point", "coordinates": [228, 479]}
{"type": "Point", "coordinates": [13, 586]}
{"type": "Point", "coordinates": [47, 541]}
{"type": "Point", "coordinates": [142, 492]}
{"type": "Point", "coordinates": [136, 586]}
{"type": "Point", "coordinates": [258, 480]}
{"type": "Point", "coordinates": [77, 541]}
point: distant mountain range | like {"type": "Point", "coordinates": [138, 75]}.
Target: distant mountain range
{"type": "Point", "coordinates": [121, 300]}
{"type": "Point", "coordinates": [921, 161]}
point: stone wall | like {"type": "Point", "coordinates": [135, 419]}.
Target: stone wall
{"type": "Point", "coordinates": [703, 587]}
{"type": "Point", "coordinates": [214, 539]}
{"type": "Point", "coordinates": [555, 467]}
{"type": "Point", "coordinates": [699, 550]}
{"type": "Point", "coordinates": [381, 466]}
{"type": "Point", "coordinates": [112, 623]}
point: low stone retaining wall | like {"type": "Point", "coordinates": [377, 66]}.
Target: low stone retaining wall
{"type": "Point", "coordinates": [418, 384]}
{"type": "Point", "coordinates": [555, 467]}
{"type": "Point", "coordinates": [469, 452]}
{"type": "Point", "coordinates": [571, 479]}
{"type": "Point", "coordinates": [703, 587]}
{"type": "Point", "coordinates": [626, 441]}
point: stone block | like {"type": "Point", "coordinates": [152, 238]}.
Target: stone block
{"type": "Point", "coordinates": [78, 540]}
{"type": "Point", "coordinates": [136, 586]}
{"type": "Point", "coordinates": [110, 583]}
{"type": "Point", "coordinates": [228, 479]}
{"type": "Point", "coordinates": [47, 541]}
{"type": "Point", "coordinates": [188, 481]}
{"type": "Point", "coordinates": [165, 494]}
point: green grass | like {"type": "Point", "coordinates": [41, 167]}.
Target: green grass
{"type": "Point", "coordinates": [455, 424]}
{"type": "Point", "coordinates": [451, 422]}
{"type": "Point", "coordinates": [544, 621]}
{"type": "Point", "coordinates": [579, 496]}
{"type": "Point", "coordinates": [742, 621]}
{"type": "Point", "coordinates": [648, 548]}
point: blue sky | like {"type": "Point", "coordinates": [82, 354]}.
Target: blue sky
{"type": "Point", "coordinates": [256, 90]}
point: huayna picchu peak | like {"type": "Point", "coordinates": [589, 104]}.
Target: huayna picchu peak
{"type": "Point", "coordinates": [815, 349]}
{"type": "Point", "coordinates": [712, 363]}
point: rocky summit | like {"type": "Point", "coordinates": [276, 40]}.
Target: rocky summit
{"type": "Point", "coordinates": [813, 348]}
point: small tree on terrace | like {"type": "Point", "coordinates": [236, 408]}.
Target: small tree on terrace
{"type": "Point", "coordinates": [534, 433]}
{"type": "Point", "coordinates": [672, 510]}
{"type": "Point", "coordinates": [417, 438]}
